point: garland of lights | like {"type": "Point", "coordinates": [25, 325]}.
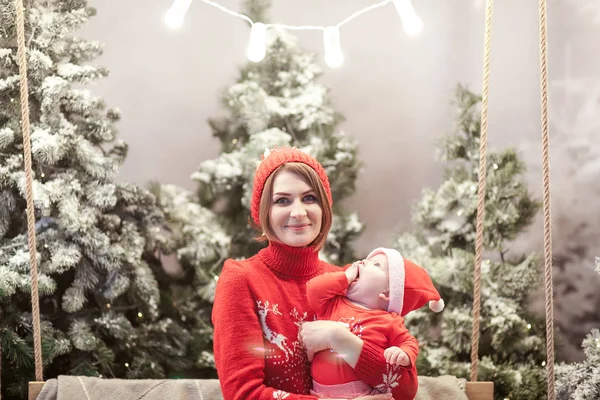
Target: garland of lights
{"type": "Point", "coordinates": [331, 34]}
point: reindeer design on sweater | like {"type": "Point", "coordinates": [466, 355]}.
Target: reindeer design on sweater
{"type": "Point", "coordinates": [276, 338]}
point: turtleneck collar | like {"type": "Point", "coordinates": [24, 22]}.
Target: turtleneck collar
{"type": "Point", "coordinates": [297, 262]}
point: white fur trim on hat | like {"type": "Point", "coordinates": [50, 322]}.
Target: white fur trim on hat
{"type": "Point", "coordinates": [397, 277]}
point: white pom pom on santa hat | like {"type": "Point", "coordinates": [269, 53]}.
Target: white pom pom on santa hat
{"type": "Point", "coordinates": [436, 305]}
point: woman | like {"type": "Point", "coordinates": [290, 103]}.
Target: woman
{"type": "Point", "coordinates": [262, 332]}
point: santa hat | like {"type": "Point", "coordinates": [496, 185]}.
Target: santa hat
{"type": "Point", "coordinates": [410, 285]}
{"type": "Point", "coordinates": [275, 158]}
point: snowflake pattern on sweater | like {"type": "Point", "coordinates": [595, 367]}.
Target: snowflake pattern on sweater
{"type": "Point", "coordinates": [280, 395]}
{"type": "Point", "coordinates": [390, 379]}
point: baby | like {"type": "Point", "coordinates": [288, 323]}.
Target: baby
{"type": "Point", "coordinates": [371, 297]}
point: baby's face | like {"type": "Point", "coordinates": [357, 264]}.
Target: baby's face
{"type": "Point", "coordinates": [372, 280]}
{"type": "Point", "coordinates": [375, 271]}
{"type": "Point", "coordinates": [378, 261]}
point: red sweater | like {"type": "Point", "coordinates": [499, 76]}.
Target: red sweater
{"type": "Point", "coordinates": [259, 305]}
{"type": "Point", "coordinates": [326, 295]}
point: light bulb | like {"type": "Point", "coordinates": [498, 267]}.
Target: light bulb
{"type": "Point", "coordinates": [333, 49]}
{"type": "Point", "coordinates": [173, 20]}
{"type": "Point", "coordinates": [257, 45]}
{"type": "Point", "coordinates": [174, 17]}
{"type": "Point", "coordinates": [414, 26]}
{"type": "Point", "coordinates": [410, 20]}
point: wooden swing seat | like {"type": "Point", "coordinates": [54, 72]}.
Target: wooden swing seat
{"type": "Point", "coordinates": [474, 390]}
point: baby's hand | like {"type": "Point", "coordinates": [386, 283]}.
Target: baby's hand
{"type": "Point", "coordinates": [352, 272]}
{"type": "Point", "coordinates": [396, 356]}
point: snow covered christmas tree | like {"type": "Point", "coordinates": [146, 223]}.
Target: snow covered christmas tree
{"type": "Point", "coordinates": [99, 298]}
{"type": "Point", "coordinates": [278, 102]}
{"type": "Point", "coordinates": [581, 381]}
{"type": "Point", "coordinates": [512, 344]}
{"type": "Point", "coordinates": [191, 262]}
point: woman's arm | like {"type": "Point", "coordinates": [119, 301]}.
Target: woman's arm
{"type": "Point", "coordinates": [366, 358]}
{"type": "Point", "coordinates": [238, 340]}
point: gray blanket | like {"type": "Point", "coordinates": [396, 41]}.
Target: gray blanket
{"type": "Point", "coordinates": [84, 388]}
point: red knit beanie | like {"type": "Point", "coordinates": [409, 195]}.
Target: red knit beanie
{"type": "Point", "coordinates": [275, 158]}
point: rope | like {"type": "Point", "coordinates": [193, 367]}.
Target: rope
{"type": "Point", "coordinates": [35, 304]}
{"type": "Point", "coordinates": [481, 192]}
{"type": "Point", "coordinates": [546, 190]}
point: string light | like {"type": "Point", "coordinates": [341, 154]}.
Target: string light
{"type": "Point", "coordinates": [256, 51]}
{"type": "Point", "coordinates": [175, 16]}
{"type": "Point", "coordinates": [410, 20]}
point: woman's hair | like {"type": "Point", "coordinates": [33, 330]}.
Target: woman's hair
{"type": "Point", "coordinates": [312, 179]}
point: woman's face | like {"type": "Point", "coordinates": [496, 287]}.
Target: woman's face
{"type": "Point", "coordinates": [295, 215]}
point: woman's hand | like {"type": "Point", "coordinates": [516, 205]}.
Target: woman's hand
{"type": "Point", "coordinates": [319, 335]}
{"type": "Point", "coordinates": [324, 334]}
